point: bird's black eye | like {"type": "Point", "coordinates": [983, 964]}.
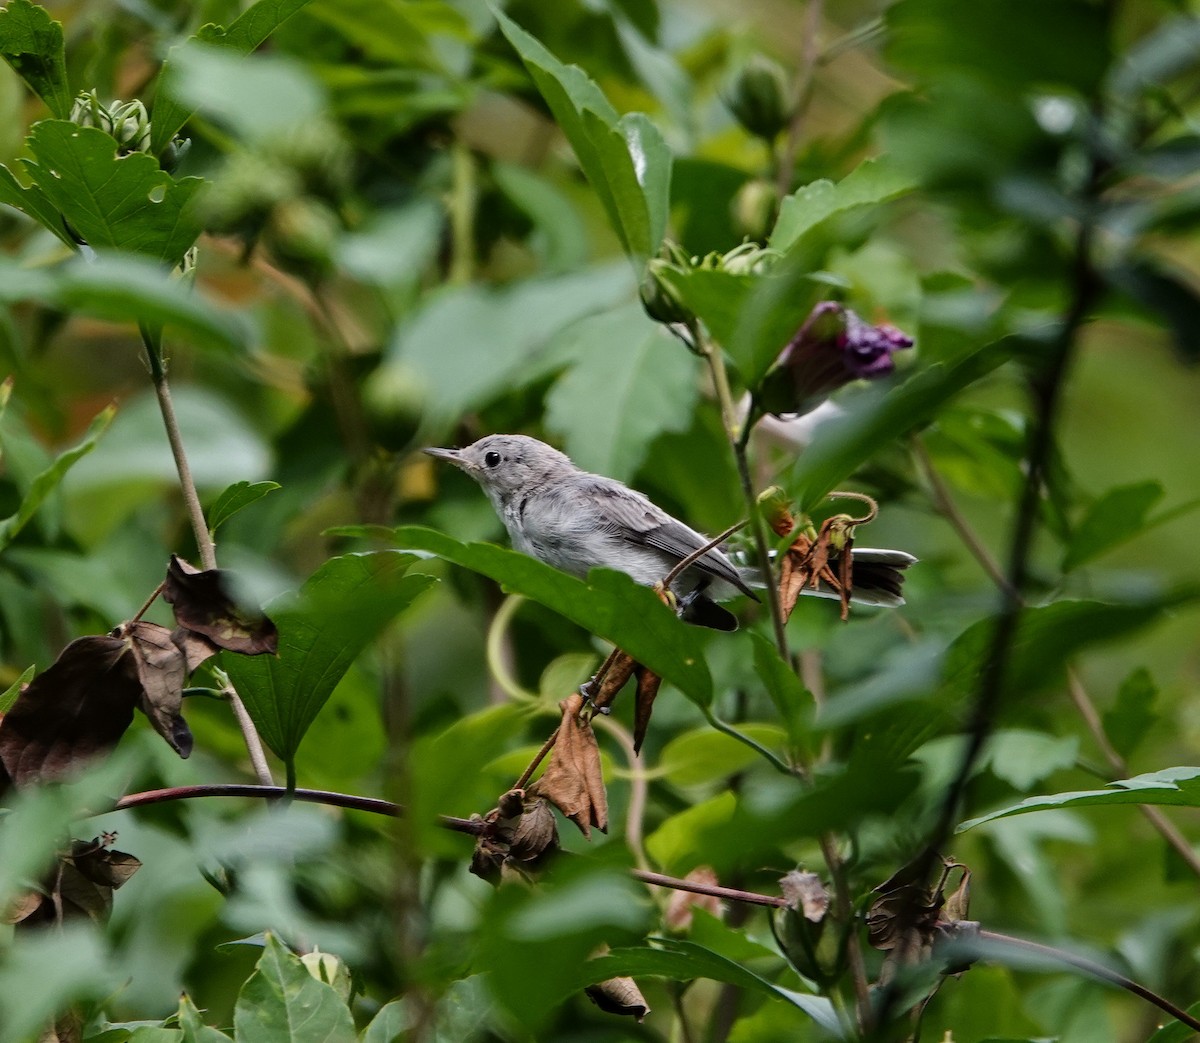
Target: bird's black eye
{"type": "Point", "coordinates": [491, 459]}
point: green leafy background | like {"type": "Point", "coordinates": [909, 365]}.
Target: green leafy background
{"type": "Point", "coordinates": [420, 222]}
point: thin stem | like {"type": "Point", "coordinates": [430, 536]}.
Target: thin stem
{"type": "Point", "coordinates": [1097, 970]}
{"type": "Point", "coordinates": [1120, 768]}
{"type": "Point", "coordinates": [944, 503]}
{"type": "Point", "coordinates": [147, 603]}
{"type": "Point", "coordinates": [151, 341]}
{"type": "Point", "coordinates": [639, 789]}
{"type": "Point", "coordinates": [254, 746]}
{"type": "Point", "coordinates": [464, 198]}
{"type": "Point", "coordinates": [809, 58]}
{"type": "Point", "coordinates": [497, 652]}
{"type": "Point", "coordinates": [845, 911]}
{"type": "Point", "coordinates": [538, 757]}
{"type": "Point", "coordinates": [712, 890]}
{"type": "Point", "coordinates": [728, 729]}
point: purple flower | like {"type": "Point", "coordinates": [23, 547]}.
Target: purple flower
{"type": "Point", "coordinates": [833, 347]}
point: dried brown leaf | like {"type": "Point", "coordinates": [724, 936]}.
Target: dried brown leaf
{"type": "Point", "coordinates": [620, 669]}
{"type": "Point", "coordinates": [805, 893]}
{"type": "Point", "coordinates": [103, 864]}
{"type": "Point", "coordinates": [204, 603]}
{"type": "Point", "coordinates": [619, 996]}
{"type": "Point", "coordinates": [72, 712]}
{"type": "Point", "coordinates": [22, 907]}
{"type": "Point", "coordinates": [196, 648]}
{"type": "Point", "coordinates": [573, 782]}
{"type": "Point", "coordinates": [67, 1028]}
{"type": "Point", "coordinates": [162, 669]}
{"type": "Point", "coordinates": [681, 904]}
{"type": "Point", "coordinates": [648, 684]}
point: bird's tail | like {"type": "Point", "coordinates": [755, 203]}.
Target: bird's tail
{"type": "Point", "coordinates": [878, 577]}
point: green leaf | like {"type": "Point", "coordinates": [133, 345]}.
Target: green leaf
{"type": "Point", "coordinates": [1022, 757]}
{"type": "Point", "coordinates": [46, 482]}
{"type": "Point", "coordinates": [129, 288]}
{"type": "Point", "coordinates": [715, 297]}
{"type": "Point", "coordinates": [438, 351]}
{"type": "Point", "coordinates": [1118, 516]}
{"type": "Point", "coordinates": [685, 961]}
{"type": "Point", "coordinates": [872, 181]}
{"type": "Point", "coordinates": [793, 702]}
{"type": "Point", "coordinates": [625, 159]}
{"type": "Point", "coordinates": [236, 498]}
{"type": "Point", "coordinates": [342, 607]}
{"type": "Point", "coordinates": [31, 201]}
{"type": "Point", "coordinates": [389, 1025]}
{"type": "Point", "coordinates": [1172, 787]}
{"type": "Point", "coordinates": [125, 203]}
{"type": "Point", "coordinates": [32, 43]}
{"type": "Point", "coordinates": [881, 415]}
{"type": "Point", "coordinates": [282, 1003]}
{"type": "Point", "coordinates": [9, 695]}
{"type": "Point", "coordinates": [609, 604]}
{"type": "Point", "coordinates": [1047, 637]}
{"type": "Point", "coordinates": [706, 756]}
{"type": "Point", "coordinates": [194, 1029]}
{"type": "Point", "coordinates": [631, 382]}
{"type": "Point", "coordinates": [1176, 1031]}
{"type": "Point", "coordinates": [1132, 715]}
{"type": "Point", "coordinates": [244, 34]}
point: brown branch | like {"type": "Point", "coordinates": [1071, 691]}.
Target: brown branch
{"type": "Point", "coordinates": [712, 890]}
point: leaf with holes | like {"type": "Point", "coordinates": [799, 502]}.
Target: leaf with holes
{"type": "Point", "coordinates": [125, 203]}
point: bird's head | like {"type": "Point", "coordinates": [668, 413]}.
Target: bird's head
{"type": "Point", "coordinates": [507, 465]}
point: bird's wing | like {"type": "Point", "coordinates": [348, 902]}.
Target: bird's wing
{"type": "Point", "coordinates": [640, 521]}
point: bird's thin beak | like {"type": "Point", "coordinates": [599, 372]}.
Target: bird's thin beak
{"type": "Point", "coordinates": [453, 455]}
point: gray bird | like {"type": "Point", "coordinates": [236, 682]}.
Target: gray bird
{"type": "Point", "coordinates": [577, 521]}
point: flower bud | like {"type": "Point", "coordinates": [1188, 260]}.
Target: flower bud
{"type": "Point", "coordinates": [754, 208]}
{"type": "Point", "coordinates": [126, 121]}
{"type": "Point", "coordinates": [326, 967]}
{"type": "Point", "coordinates": [758, 97]}
{"type": "Point", "coordinates": [659, 299]}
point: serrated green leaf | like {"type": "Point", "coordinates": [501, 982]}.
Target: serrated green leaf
{"type": "Point", "coordinates": [236, 498]}
{"type": "Point", "coordinates": [282, 1003]}
{"type": "Point", "coordinates": [625, 159]}
{"type": "Point", "coordinates": [322, 629]}
{"type": "Point", "coordinates": [244, 34]}
{"type": "Point", "coordinates": [630, 383]}
{"type": "Point", "coordinates": [46, 482]}
{"type": "Point", "coordinates": [32, 202]}
{"type": "Point", "coordinates": [32, 43]}
{"type": "Point", "coordinates": [116, 203]}
{"type": "Point", "coordinates": [609, 604]}
{"type": "Point", "coordinates": [679, 960]}
{"type": "Point", "coordinates": [9, 695]}
{"type": "Point", "coordinates": [1171, 787]}
{"type": "Point", "coordinates": [872, 181]}
{"type": "Point", "coordinates": [1132, 715]}
{"type": "Point", "coordinates": [881, 415]}
{"type": "Point", "coordinates": [194, 1029]}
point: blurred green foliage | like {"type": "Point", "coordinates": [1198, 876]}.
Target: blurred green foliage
{"type": "Point", "coordinates": [358, 227]}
